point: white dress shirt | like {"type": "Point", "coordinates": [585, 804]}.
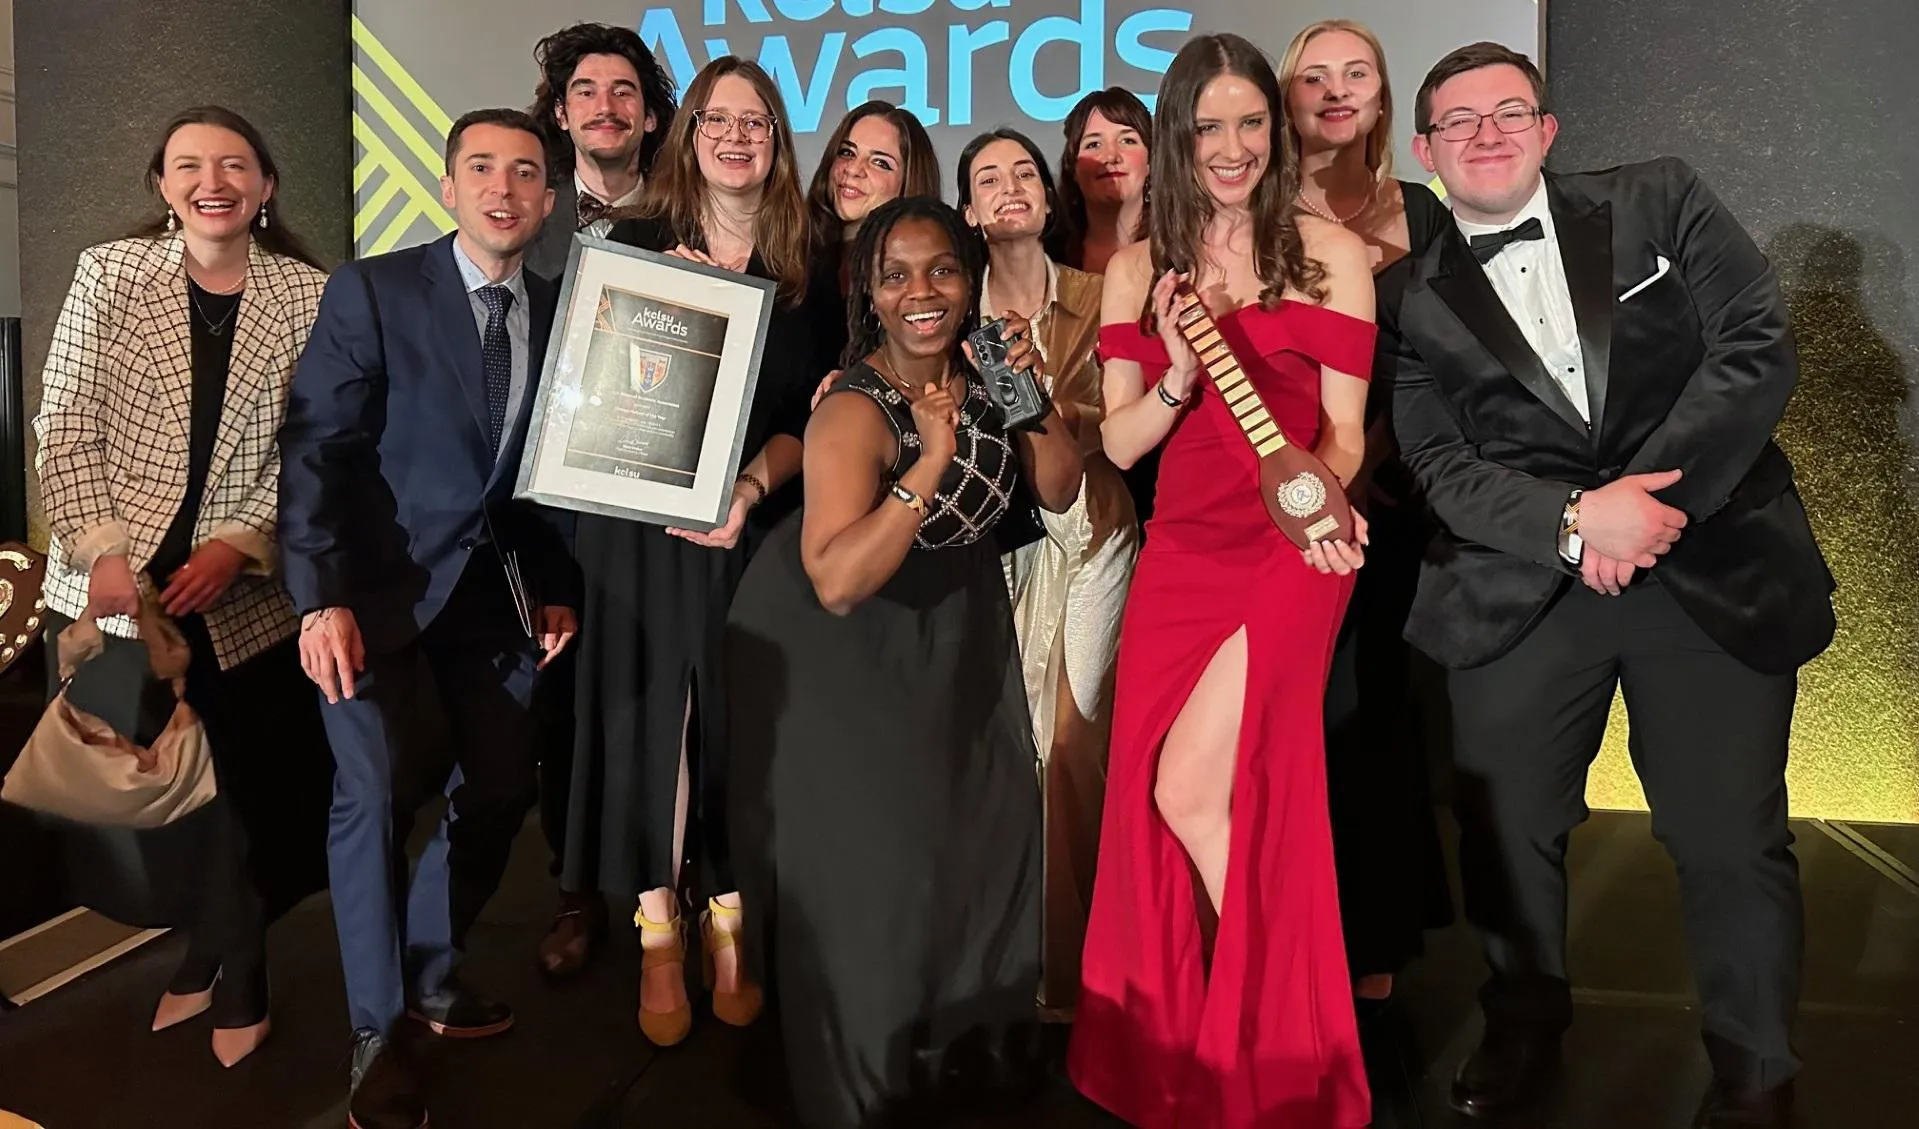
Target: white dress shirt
{"type": "Point", "coordinates": [988, 311]}
{"type": "Point", "coordinates": [1530, 278]}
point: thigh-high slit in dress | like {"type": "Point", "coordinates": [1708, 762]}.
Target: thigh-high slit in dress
{"type": "Point", "coordinates": [1262, 1036]}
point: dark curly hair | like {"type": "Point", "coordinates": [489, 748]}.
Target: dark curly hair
{"type": "Point", "coordinates": [864, 335]}
{"type": "Point", "coordinates": [559, 55]}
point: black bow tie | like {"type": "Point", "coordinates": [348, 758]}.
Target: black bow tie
{"type": "Point", "coordinates": [590, 209]}
{"type": "Point", "coordinates": [1492, 243]}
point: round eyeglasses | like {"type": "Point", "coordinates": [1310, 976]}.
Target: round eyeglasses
{"type": "Point", "coordinates": [717, 125]}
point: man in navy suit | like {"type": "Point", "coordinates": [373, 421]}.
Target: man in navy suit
{"type": "Point", "coordinates": [403, 548]}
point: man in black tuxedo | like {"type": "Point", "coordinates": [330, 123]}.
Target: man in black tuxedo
{"type": "Point", "coordinates": [424, 585]}
{"type": "Point", "coordinates": [604, 102]}
{"type": "Point", "coordinates": [1586, 373]}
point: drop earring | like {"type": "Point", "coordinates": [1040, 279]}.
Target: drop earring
{"type": "Point", "coordinates": [263, 217]}
{"type": "Point", "coordinates": [170, 220]}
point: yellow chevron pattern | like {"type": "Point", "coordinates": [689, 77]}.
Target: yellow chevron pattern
{"type": "Point", "coordinates": [398, 135]}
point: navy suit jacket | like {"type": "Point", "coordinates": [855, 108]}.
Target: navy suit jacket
{"type": "Point", "coordinates": [388, 483]}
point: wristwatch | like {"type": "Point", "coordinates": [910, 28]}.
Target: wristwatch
{"type": "Point", "coordinates": [913, 501]}
{"type": "Point", "coordinates": [1572, 549]}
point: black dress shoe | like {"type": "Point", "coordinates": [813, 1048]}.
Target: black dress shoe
{"type": "Point", "coordinates": [1729, 1107]}
{"type": "Point", "coordinates": [458, 1012]}
{"type": "Point", "coordinates": [1508, 1072]}
{"type": "Point", "coordinates": [385, 1094]}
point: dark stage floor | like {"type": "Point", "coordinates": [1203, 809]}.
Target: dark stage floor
{"type": "Point", "coordinates": [82, 1059]}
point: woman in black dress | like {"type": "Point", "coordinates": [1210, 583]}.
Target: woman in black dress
{"type": "Point", "coordinates": [885, 797]}
{"type": "Point", "coordinates": [1392, 874]}
{"type": "Point", "coordinates": [651, 747]}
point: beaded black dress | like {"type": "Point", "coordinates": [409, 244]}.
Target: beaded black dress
{"type": "Point", "coordinates": [885, 803]}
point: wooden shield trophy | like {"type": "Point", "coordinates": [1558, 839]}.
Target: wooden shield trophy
{"type": "Point", "coordinates": [1303, 497]}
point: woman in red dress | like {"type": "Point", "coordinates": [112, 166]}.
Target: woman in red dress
{"type": "Point", "coordinates": [1216, 790]}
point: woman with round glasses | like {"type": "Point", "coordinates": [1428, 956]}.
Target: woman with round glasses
{"type": "Point", "coordinates": [649, 777]}
{"type": "Point", "coordinates": [1392, 876]}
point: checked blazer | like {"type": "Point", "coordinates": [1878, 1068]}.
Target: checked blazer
{"type": "Point", "coordinates": [114, 416]}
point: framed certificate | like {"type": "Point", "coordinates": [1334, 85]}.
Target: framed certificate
{"type": "Point", "coordinates": [649, 376]}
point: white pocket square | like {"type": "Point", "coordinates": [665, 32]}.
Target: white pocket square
{"type": "Point", "coordinates": [1664, 264]}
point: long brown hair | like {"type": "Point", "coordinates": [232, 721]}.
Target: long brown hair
{"type": "Point", "coordinates": [1121, 107]}
{"type": "Point", "coordinates": [276, 236]}
{"type": "Point", "coordinates": [919, 169]}
{"type": "Point", "coordinates": [676, 192]}
{"type": "Point", "coordinates": [1379, 143]}
{"type": "Point", "coordinates": [1182, 206]}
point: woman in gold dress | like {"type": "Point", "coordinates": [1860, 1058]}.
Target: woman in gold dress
{"type": "Point", "coordinates": [1069, 581]}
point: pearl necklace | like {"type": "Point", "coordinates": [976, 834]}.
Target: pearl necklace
{"type": "Point", "coordinates": [1328, 215]}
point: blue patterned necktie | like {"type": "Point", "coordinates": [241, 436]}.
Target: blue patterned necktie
{"type": "Point", "coordinates": [496, 356]}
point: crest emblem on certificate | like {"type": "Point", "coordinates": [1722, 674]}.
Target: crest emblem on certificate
{"type": "Point", "coordinates": [647, 369]}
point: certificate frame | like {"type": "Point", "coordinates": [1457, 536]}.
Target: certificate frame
{"type": "Point", "coordinates": [607, 435]}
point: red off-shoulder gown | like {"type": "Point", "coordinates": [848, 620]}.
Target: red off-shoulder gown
{"type": "Point", "coordinates": [1265, 1038]}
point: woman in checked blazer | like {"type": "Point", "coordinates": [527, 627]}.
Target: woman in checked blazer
{"type": "Point", "coordinates": [163, 390]}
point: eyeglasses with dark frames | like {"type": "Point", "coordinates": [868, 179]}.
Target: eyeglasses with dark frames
{"type": "Point", "coordinates": [1465, 125]}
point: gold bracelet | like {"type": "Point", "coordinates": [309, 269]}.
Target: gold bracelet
{"type": "Point", "coordinates": [755, 483]}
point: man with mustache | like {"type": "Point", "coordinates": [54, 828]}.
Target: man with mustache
{"type": "Point", "coordinates": [604, 103]}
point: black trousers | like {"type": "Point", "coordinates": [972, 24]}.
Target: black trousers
{"type": "Point", "coordinates": [1709, 739]}
{"type": "Point", "coordinates": [1392, 869]}
{"type": "Point", "coordinates": [553, 717]}
{"type": "Point", "coordinates": [223, 873]}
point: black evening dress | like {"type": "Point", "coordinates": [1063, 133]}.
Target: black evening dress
{"type": "Point", "coordinates": [1392, 872]}
{"type": "Point", "coordinates": [886, 807]}
{"type": "Point", "coordinates": [650, 635]}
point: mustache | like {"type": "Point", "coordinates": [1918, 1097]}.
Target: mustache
{"type": "Point", "coordinates": [610, 119]}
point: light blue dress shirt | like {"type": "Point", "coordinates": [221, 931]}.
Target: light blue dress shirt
{"type": "Point", "coordinates": [519, 325]}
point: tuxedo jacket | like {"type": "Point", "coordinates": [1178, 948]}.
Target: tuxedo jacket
{"type": "Point", "coordinates": [115, 415]}
{"type": "Point", "coordinates": [389, 482]}
{"type": "Point", "coordinates": [1689, 361]}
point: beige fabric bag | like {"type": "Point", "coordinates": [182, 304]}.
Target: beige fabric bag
{"type": "Point", "coordinates": [76, 767]}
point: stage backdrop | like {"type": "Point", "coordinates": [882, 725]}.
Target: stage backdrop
{"type": "Point", "coordinates": [961, 66]}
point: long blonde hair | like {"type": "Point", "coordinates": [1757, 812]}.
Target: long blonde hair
{"type": "Point", "coordinates": [1379, 143]}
